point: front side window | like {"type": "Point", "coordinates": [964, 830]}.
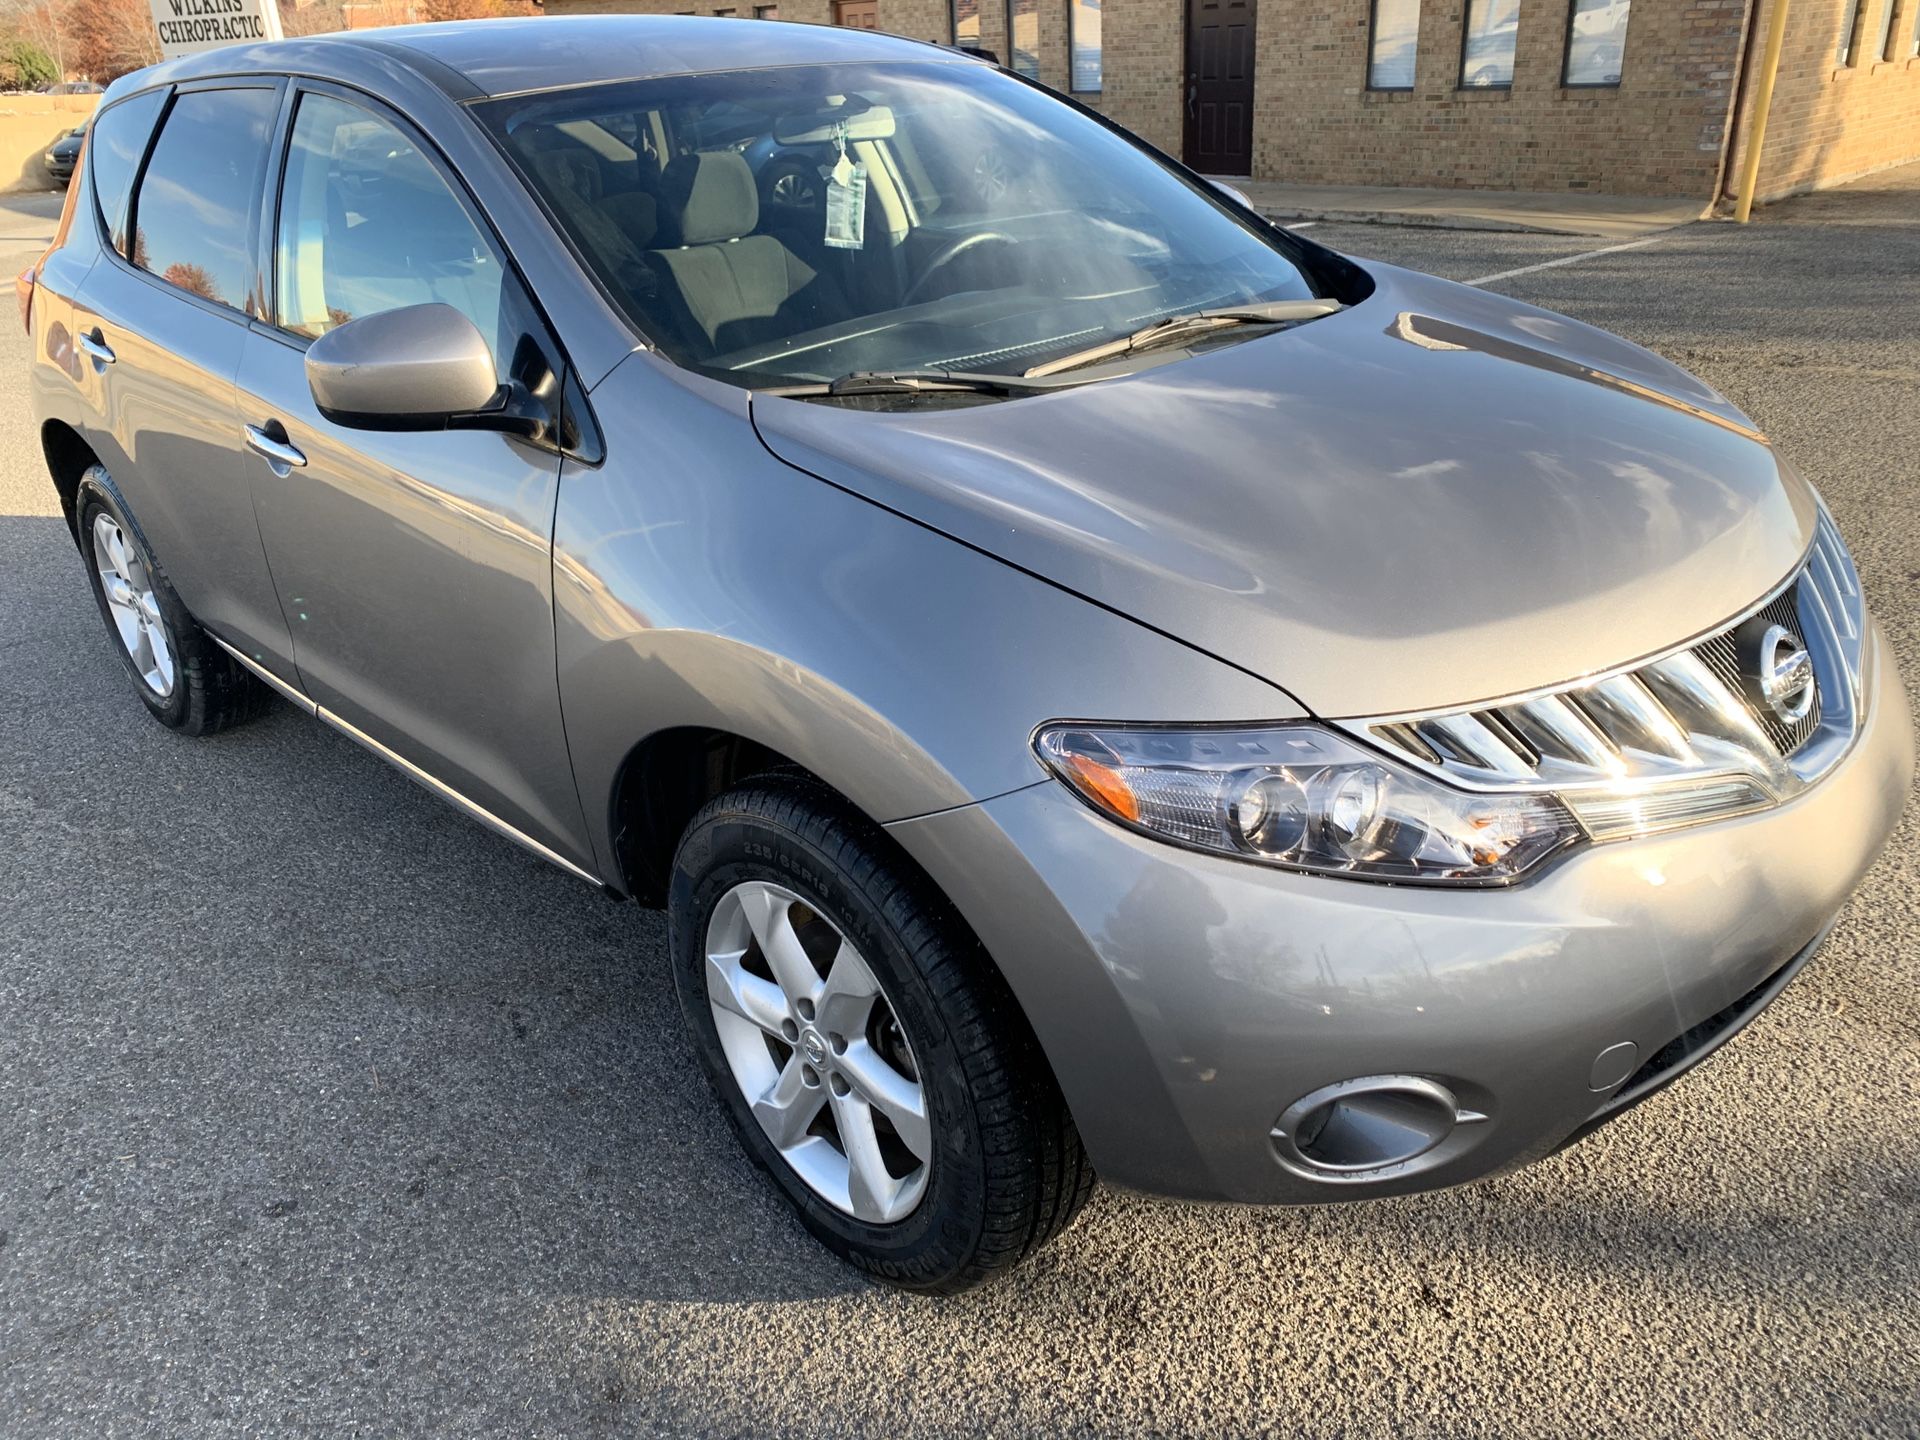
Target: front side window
{"type": "Point", "coordinates": [1597, 42]}
{"type": "Point", "coordinates": [368, 224]}
{"type": "Point", "coordinates": [193, 214]}
{"type": "Point", "coordinates": [800, 223]}
{"type": "Point", "coordinates": [1023, 37]}
{"type": "Point", "coordinates": [114, 145]}
{"type": "Point", "coordinates": [1486, 57]}
{"type": "Point", "coordinates": [1396, 36]}
{"type": "Point", "coordinates": [1083, 40]}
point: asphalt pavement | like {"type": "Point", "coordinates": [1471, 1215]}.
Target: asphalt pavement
{"type": "Point", "coordinates": [324, 1110]}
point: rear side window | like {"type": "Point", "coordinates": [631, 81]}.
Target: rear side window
{"type": "Point", "coordinates": [116, 143]}
{"type": "Point", "coordinates": [192, 214]}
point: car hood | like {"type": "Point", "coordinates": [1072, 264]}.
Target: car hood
{"type": "Point", "coordinates": [1436, 497]}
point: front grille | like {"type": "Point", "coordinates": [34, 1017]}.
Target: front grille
{"type": "Point", "coordinates": [1721, 654]}
{"type": "Point", "coordinates": [1691, 717]}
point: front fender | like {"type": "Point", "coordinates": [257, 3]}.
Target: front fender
{"type": "Point", "coordinates": [700, 581]}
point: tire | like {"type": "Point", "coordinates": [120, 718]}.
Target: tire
{"type": "Point", "coordinates": [1003, 1171]}
{"type": "Point", "coordinates": [199, 689]}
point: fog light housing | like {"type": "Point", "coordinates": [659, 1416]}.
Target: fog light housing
{"type": "Point", "coordinates": [1357, 1129]}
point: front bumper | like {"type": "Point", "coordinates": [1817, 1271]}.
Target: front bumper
{"type": "Point", "coordinates": [1185, 1002]}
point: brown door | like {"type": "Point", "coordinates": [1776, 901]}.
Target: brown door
{"type": "Point", "coordinates": [1220, 86]}
{"type": "Point", "coordinates": [856, 14]}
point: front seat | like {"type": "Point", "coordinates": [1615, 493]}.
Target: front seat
{"type": "Point", "coordinates": [734, 288]}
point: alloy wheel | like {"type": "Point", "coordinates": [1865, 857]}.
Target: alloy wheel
{"type": "Point", "coordinates": [818, 1052]}
{"type": "Point", "coordinates": [132, 604]}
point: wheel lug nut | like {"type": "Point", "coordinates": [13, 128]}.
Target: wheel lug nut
{"type": "Point", "coordinates": [790, 1030]}
{"type": "Point", "coordinates": [809, 1075]}
{"type": "Point", "coordinates": [805, 1007]}
{"type": "Point", "coordinates": [839, 1044]}
{"type": "Point", "coordinates": [838, 1085]}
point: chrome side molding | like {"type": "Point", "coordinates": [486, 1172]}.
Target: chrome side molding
{"type": "Point", "coordinates": [439, 787]}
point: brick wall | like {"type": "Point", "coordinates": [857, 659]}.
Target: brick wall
{"type": "Point", "coordinates": [1831, 122]}
{"type": "Point", "coordinates": [1662, 131]}
{"type": "Point", "coordinates": [1658, 133]}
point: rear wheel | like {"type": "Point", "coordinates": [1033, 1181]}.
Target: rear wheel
{"type": "Point", "coordinates": [187, 682]}
{"type": "Point", "coordinates": [871, 1058]}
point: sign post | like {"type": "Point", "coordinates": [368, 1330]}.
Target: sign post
{"type": "Point", "coordinates": [187, 27]}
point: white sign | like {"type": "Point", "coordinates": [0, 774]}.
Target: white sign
{"type": "Point", "coordinates": [189, 26]}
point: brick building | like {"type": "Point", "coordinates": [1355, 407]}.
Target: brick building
{"type": "Point", "coordinates": [1646, 97]}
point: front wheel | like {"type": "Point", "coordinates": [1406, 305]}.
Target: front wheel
{"type": "Point", "coordinates": [871, 1058]}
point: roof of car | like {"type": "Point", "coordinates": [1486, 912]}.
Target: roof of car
{"type": "Point", "coordinates": [474, 58]}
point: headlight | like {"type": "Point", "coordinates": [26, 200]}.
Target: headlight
{"type": "Point", "coordinates": [1302, 797]}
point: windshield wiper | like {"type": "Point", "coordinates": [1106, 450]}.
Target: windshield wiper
{"type": "Point", "coordinates": [914, 382]}
{"type": "Point", "coordinates": [1265, 312]}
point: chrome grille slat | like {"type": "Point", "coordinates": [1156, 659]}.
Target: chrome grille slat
{"type": "Point", "coordinates": [1680, 719]}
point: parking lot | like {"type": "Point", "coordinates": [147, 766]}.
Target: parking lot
{"type": "Point", "coordinates": [323, 1109]}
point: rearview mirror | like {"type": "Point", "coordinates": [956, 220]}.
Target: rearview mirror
{"type": "Point", "coordinates": [863, 122]}
{"type": "Point", "coordinates": [423, 367]}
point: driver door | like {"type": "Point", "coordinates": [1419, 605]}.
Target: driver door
{"type": "Point", "coordinates": [415, 568]}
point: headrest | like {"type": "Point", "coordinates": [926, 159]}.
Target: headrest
{"type": "Point", "coordinates": [716, 198]}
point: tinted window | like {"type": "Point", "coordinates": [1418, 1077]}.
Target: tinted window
{"type": "Point", "coordinates": [116, 143]}
{"type": "Point", "coordinates": [1597, 44]}
{"type": "Point", "coordinates": [1083, 24]}
{"type": "Point", "coordinates": [1492, 27]}
{"type": "Point", "coordinates": [1396, 36]}
{"type": "Point", "coordinates": [192, 218]}
{"type": "Point", "coordinates": [367, 224]}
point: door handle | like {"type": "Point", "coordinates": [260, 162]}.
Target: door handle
{"type": "Point", "coordinates": [270, 444]}
{"type": "Point", "coordinates": [96, 346]}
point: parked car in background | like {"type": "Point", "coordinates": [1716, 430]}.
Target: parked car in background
{"type": "Point", "coordinates": [1096, 680]}
{"type": "Point", "coordinates": [73, 87]}
{"type": "Point", "coordinates": [64, 154]}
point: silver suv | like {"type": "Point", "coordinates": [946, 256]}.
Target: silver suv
{"type": "Point", "coordinates": [1097, 681]}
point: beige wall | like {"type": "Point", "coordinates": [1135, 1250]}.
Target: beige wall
{"type": "Point", "coordinates": [1830, 122]}
{"type": "Point", "coordinates": [28, 125]}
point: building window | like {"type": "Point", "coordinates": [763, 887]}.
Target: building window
{"type": "Point", "coordinates": [1914, 47]}
{"type": "Point", "coordinates": [1486, 54]}
{"type": "Point", "coordinates": [1596, 42]}
{"type": "Point", "coordinates": [1390, 51]}
{"type": "Point", "coordinates": [1023, 37]}
{"type": "Point", "coordinates": [766, 12]}
{"type": "Point", "coordinates": [1083, 39]}
{"type": "Point", "coordinates": [1849, 22]}
{"type": "Point", "coordinates": [1885, 48]}
{"type": "Point", "coordinates": [966, 24]}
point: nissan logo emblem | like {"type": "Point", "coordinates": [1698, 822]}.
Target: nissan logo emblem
{"type": "Point", "coordinates": [1786, 675]}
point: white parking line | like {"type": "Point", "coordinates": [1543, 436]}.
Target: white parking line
{"type": "Point", "coordinates": [1566, 260]}
{"type": "Point", "coordinates": [1301, 225]}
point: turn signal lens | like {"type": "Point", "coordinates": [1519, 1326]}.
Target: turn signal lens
{"type": "Point", "coordinates": [1302, 797]}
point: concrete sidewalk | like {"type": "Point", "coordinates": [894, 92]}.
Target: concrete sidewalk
{"type": "Point", "coordinates": [1612, 217]}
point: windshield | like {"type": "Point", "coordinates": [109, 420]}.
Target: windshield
{"type": "Point", "coordinates": [794, 225]}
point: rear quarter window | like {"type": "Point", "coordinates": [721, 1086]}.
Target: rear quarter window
{"type": "Point", "coordinates": [193, 210]}
{"type": "Point", "coordinates": [116, 143]}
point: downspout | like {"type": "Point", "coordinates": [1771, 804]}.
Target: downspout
{"type": "Point", "coordinates": [1762, 103]}
{"type": "Point", "coordinates": [1737, 110]}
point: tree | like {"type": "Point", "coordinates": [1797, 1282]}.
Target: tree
{"type": "Point", "coordinates": [107, 38]}
{"type": "Point", "coordinates": [25, 66]}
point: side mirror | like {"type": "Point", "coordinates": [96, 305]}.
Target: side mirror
{"type": "Point", "coordinates": [423, 367]}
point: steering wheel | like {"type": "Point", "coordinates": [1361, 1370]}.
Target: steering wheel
{"type": "Point", "coordinates": [949, 253]}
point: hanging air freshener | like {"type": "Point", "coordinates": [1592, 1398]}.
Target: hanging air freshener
{"type": "Point", "coordinates": [846, 198]}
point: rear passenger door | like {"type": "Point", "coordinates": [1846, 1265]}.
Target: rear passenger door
{"type": "Point", "coordinates": [415, 568]}
{"type": "Point", "coordinates": [162, 323]}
